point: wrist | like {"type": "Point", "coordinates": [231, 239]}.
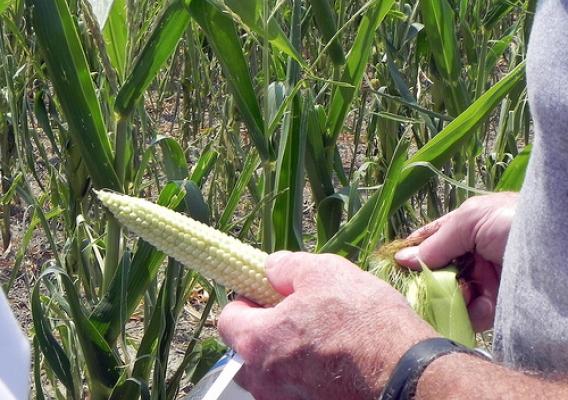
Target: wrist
{"type": "Point", "coordinates": [376, 366]}
{"type": "Point", "coordinates": [405, 377]}
{"type": "Point", "coordinates": [410, 332]}
{"type": "Point", "coordinates": [442, 378]}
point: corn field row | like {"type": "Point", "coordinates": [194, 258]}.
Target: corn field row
{"type": "Point", "coordinates": [331, 126]}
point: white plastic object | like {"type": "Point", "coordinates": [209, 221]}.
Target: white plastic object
{"type": "Point", "coordinates": [14, 355]}
{"type": "Point", "coordinates": [218, 383]}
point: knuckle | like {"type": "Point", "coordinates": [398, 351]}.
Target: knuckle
{"type": "Point", "coordinates": [251, 346]}
{"type": "Point", "coordinates": [472, 202]}
{"type": "Point", "coordinates": [227, 320]}
{"type": "Point", "coordinates": [224, 324]}
{"type": "Point", "coordinates": [246, 345]}
{"type": "Point", "coordinates": [329, 260]}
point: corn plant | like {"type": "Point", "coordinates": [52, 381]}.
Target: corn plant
{"type": "Point", "coordinates": [332, 126]}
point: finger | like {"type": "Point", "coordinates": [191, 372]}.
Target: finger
{"type": "Point", "coordinates": [449, 242]}
{"type": "Point", "coordinates": [238, 318]}
{"type": "Point", "coordinates": [245, 378]}
{"type": "Point", "coordinates": [484, 279]}
{"type": "Point", "coordinates": [484, 282]}
{"type": "Point", "coordinates": [482, 313]}
{"type": "Point", "coordinates": [260, 386]}
{"type": "Point", "coordinates": [242, 299]}
{"type": "Point", "coordinates": [466, 291]}
{"type": "Point", "coordinates": [429, 229]}
{"type": "Point", "coordinates": [288, 272]}
{"type": "Point", "coordinates": [410, 256]}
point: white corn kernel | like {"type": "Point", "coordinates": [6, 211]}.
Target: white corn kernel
{"type": "Point", "coordinates": [212, 253]}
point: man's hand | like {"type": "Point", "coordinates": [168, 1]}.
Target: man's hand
{"type": "Point", "coordinates": [336, 335]}
{"type": "Point", "coordinates": [480, 227]}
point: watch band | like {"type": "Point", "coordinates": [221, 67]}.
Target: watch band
{"type": "Point", "coordinates": [404, 378]}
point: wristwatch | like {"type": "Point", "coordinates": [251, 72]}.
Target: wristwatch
{"type": "Point", "coordinates": [404, 378]}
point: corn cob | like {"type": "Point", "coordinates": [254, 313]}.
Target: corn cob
{"type": "Point", "coordinates": [210, 252]}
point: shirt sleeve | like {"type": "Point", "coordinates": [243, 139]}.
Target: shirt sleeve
{"type": "Point", "coordinates": [14, 355]}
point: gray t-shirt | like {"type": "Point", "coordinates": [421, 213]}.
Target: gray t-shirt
{"type": "Point", "coordinates": [531, 325]}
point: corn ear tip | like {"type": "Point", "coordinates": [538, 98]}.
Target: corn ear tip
{"type": "Point", "coordinates": [103, 194]}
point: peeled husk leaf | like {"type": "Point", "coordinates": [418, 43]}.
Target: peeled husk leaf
{"type": "Point", "coordinates": [434, 294]}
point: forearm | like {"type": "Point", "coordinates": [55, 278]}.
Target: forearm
{"type": "Point", "coordinates": [460, 376]}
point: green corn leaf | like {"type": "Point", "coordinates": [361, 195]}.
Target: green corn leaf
{"type": "Point", "coordinates": [250, 13]}
{"type": "Point", "coordinates": [175, 164]}
{"type": "Point", "coordinates": [498, 11]}
{"type": "Point", "coordinates": [381, 213]}
{"type": "Point", "coordinates": [131, 388]}
{"type": "Point", "coordinates": [223, 38]}
{"type": "Point", "coordinates": [37, 370]}
{"type": "Point", "coordinates": [444, 145]}
{"type": "Point", "coordinates": [497, 50]}
{"type": "Point", "coordinates": [288, 206]}
{"type": "Point", "coordinates": [251, 164]}
{"type": "Point", "coordinates": [71, 77]}
{"type": "Point", "coordinates": [355, 66]}
{"type": "Point", "coordinates": [318, 168]}
{"type": "Point", "coordinates": [211, 351]}
{"type": "Point", "coordinates": [43, 120]}
{"type": "Point", "coordinates": [167, 32]}
{"type": "Point", "coordinates": [375, 219]}
{"type": "Point", "coordinates": [326, 22]}
{"type": "Point", "coordinates": [53, 352]}
{"type": "Point", "coordinates": [115, 34]}
{"type": "Point", "coordinates": [319, 171]}
{"type": "Point", "coordinates": [436, 152]}
{"type": "Point", "coordinates": [189, 355]}
{"type": "Point", "coordinates": [439, 24]}
{"type": "Point", "coordinates": [195, 204]}
{"type": "Point", "coordinates": [204, 166]}
{"type": "Point", "coordinates": [287, 211]}
{"type": "Point", "coordinates": [4, 4]}
{"type": "Point", "coordinates": [166, 306]}
{"type": "Point", "coordinates": [514, 176]}
{"type": "Point", "coordinates": [328, 218]}
{"type": "Point", "coordinates": [101, 363]}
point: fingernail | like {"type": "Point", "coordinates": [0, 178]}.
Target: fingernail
{"type": "Point", "coordinates": [275, 258]}
{"type": "Point", "coordinates": [408, 255]}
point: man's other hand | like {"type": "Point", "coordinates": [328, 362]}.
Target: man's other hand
{"type": "Point", "coordinates": [480, 227]}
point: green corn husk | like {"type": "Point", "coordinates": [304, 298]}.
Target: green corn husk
{"type": "Point", "coordinates": [434, 294]}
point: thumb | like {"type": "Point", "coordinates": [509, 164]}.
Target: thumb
{"type": "Point", "coordinates": [438, 250]}
{"type": "Point", "coordinates": [237, 318]}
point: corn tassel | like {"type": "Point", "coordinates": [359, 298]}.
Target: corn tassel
{"type": "Point", "coordinates": [210, 252]}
